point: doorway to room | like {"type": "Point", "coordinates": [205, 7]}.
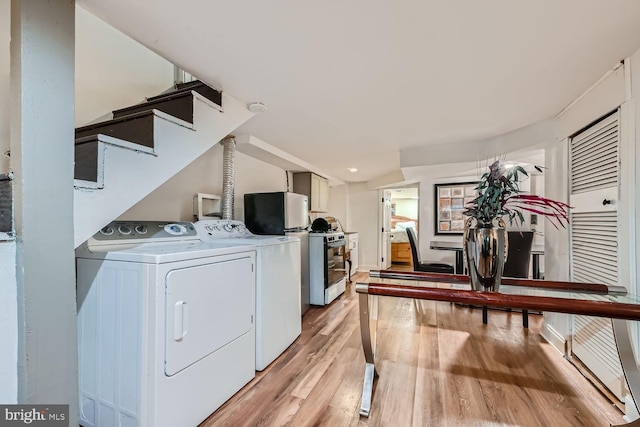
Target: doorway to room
{"type": "Point", "coordinates": [405, 208]}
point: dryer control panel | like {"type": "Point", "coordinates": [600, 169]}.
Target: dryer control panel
{"type": "Point", "coordinates": [126, 232]}
{"type": "Point", "coordinates": [223, 228]}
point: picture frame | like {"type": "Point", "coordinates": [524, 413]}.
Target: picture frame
{"type": "Point", "coordinates": [451, 200]}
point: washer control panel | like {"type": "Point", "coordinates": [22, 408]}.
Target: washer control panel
{"type": "Point", "coordinates": [123, 232]}
{"type": "Point", "coordinates": [222, 228]}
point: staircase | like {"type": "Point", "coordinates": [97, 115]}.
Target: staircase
{"type": "Point", "coordinates": [120, 161]}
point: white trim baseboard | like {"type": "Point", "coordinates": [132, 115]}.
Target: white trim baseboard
{"type": "Point", "coordinates": [554, 338]}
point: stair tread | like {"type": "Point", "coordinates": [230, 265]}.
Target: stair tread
{"type": "Point", "coordinates": [137, 128]}
{"type": "Point", "coordinates": [184, 89]}
{"type": "Point", "coordinates": [178, 103]}
{"type": "Point", "coordinates": [132, 116]}
{"type": "Point", "coordinates": [191, 84]}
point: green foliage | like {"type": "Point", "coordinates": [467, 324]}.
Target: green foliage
{"type": "Point", "coordinates": [499, 195]}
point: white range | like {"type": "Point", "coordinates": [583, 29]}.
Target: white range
{"type": "Point", "coordinates": [326, 266]}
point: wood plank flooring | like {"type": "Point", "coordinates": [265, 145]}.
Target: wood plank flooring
{"type": "Point", "coordinates": [438, 365]}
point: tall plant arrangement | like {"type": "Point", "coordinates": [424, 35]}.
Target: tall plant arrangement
{"type": "Point", "coordinates": [499, 195]}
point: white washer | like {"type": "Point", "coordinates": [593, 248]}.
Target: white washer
{"type": "Point", "coordinates": [278, 315]}
{"type": "Point", "coordinates": [165, 325]}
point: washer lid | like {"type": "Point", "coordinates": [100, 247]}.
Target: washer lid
{"type": "Point", "coordinates": [158, 253]}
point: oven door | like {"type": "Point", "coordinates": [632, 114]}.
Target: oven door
{"type": "Point", "coordinates": [335, 262]}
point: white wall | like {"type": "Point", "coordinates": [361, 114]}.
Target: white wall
{"type": "Point", "coordinates": [173, 200]}
{"type": "Point", "coordinates": [363, 218]}
{"type": "Point", "coordinates": [406, 207]}
{"type": "Point", "coordinates": [112, 70]}
{"type": "Point", "coordinates": [556, 327]}
{"type": "Point", "coordinates": [635, 136]}
{"type": "Point", "coordinates": [8, 323]}
{"type": "Point", "coordinates": [338, 205]}
{"type": "Point", "coordinates": [130, 73]}
{"type": "Point", "coordinates": [5, 27]}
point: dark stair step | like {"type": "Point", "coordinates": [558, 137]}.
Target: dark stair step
{"type": "Point", "coordinates": [178, 103]}
{"type": "Point", "coordinates": [203, 89]}
{"type": "Point", "coordinates": [86, 159]}
{"type": "Point", "coordinates": [136, 128]}
{"type": "Point", "coordinates": [6, 225]}
{"type": "Point", "coordinates": [135, 124]}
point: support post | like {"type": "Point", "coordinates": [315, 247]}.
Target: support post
{"type": "Point", "coordinates": [42, 150]}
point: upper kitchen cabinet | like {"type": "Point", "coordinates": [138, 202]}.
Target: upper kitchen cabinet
{"type": "Point", "coordinates": [315, 187]}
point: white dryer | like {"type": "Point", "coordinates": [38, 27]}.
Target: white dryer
{"type": "Point", "coordinates": [278, 313]}
{"type": "Point", "coordinates": [165, 325]}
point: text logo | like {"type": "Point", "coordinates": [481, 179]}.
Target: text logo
{"type": "Point", "coordinates": [34, 415]}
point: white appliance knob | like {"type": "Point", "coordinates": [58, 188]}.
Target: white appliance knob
{"type": "Point", "coordinates": [124, 229]}
{"type": "Point", "coordinates": [141, 229]}
{"type": "Point", "coordinates": [107, 231]}
{"type": "Point", "coordinates": [228, 228]}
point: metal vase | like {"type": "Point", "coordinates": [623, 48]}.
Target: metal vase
{"type": "Point", "coordinates": [485, 249]}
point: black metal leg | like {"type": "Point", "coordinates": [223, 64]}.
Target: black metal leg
{"type": "Point", "coordinates": [459, 266]}
{"type": "Point", "coordinates": [525, 318]}
{"type": "Point", "coordinates": [485, 315]}
{"type": "Point", "coordinates": [535, 260]}
{"type": "Point", "coordinates": [349, 263]}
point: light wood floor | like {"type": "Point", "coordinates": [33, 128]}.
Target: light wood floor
{"type": "Point", "coordinates": [438, 365]}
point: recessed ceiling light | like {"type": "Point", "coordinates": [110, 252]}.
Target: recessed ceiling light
{"type": "Point", "coordinates": [353, 170]}
{"type": "Point", "coordinates": [257, 107]}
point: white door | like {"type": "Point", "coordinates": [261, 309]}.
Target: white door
{"type": "Point", "coordinates": [207, 307]}
{"type": "Point", "coordinates": [385, 229]}
{"type": "Point", "coordinates": [594, 172]}
{"type": "Point", "coordinates": [353, 247]}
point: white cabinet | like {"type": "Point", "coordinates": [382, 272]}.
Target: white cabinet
{"type": "Point", "coordinates": [315, 187]}
{"type": "Point", "coordinates": [319, 193]}
{"type": "Point", "coordinates": [352, 245]}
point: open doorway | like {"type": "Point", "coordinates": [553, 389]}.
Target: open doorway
{"type": "Point", "coordinates": [405, 208]}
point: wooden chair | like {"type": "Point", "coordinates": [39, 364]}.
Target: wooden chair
{"type": "Point", "coordinates": [431, 267]}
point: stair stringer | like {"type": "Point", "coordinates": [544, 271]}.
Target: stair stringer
{"type": "Point", "coordinates": [128, 174]}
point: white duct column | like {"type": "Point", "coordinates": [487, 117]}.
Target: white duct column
{"type": "Point", "coordinates": [42, 122]}
{"type": "Point", "coordinates": [228, 176]}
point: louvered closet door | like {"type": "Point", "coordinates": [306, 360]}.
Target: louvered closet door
{"type": "Point", "coordinates": [594, 171]}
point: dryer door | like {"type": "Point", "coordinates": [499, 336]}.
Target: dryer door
{"type": "Point", "coordinates": [207, 306]}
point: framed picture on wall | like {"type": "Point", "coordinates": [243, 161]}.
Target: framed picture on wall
{"type": "Point", "coordinates": [450, 202]}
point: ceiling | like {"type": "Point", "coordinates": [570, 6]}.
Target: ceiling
{"type": "Point", "coordinates": [352, 83]}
